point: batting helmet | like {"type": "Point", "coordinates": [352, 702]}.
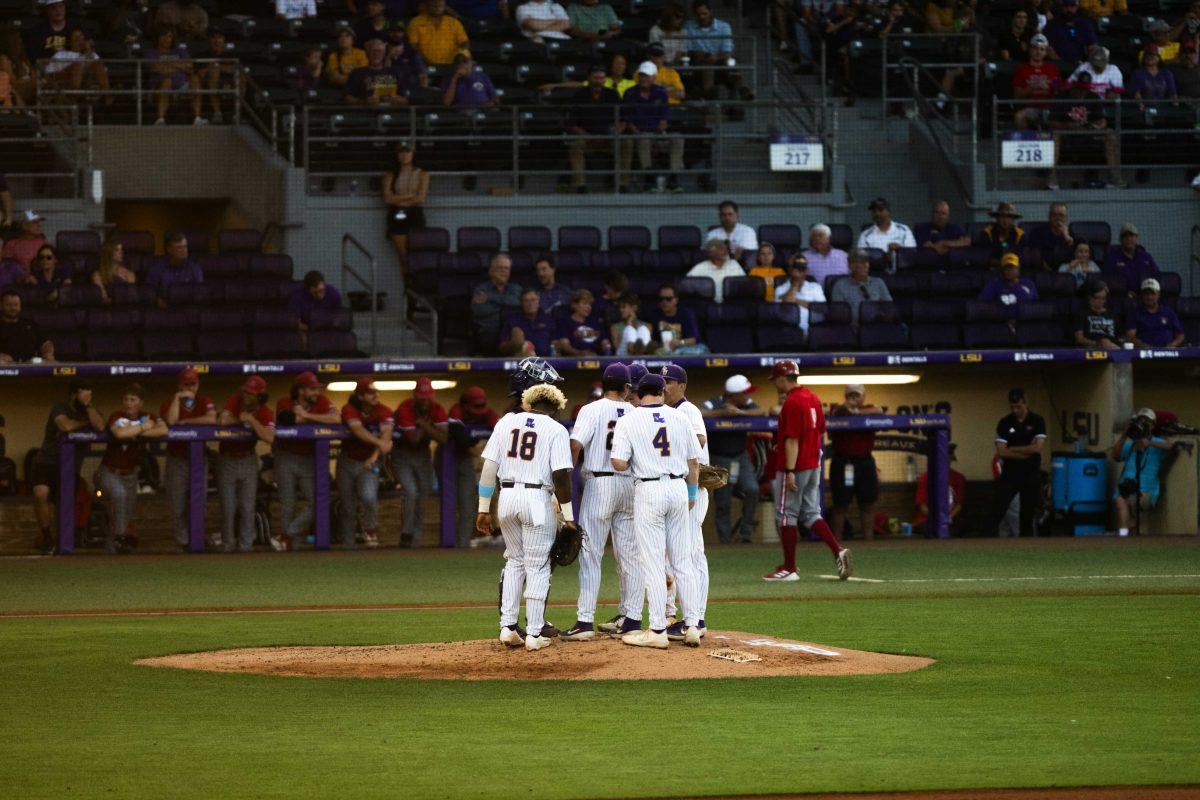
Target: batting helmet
{"type": "Point", "coordinates": [785, 367]}
{"type": "Point", "coordinates": [531, 372]}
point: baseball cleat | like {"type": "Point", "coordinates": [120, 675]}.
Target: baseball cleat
{"type": "Point", "coordinates": [691, 637]}
{"type": "Point", "coordinates": [280, 542]}
{"type": "Point", "coordinates": [510, 637]}
{"type": "Point", "coordinates": [629, 625]}
{"type": "Point", "coordinates": [537, 642]}
{"type": "Point", "coordinates": [370, 539]}
{"type": "Point", "coordinates": [580, 632]}
{"type": "Point", "coordinates": [845, 566]}
{"type": "Point", "coordinates": [647, 638]}
{"type": "Point", "coordinates": [675, 631]}
{"type": "Point", "coordinates": [613, 625]}
{"type": "Point", "coordinates": [781, 573]}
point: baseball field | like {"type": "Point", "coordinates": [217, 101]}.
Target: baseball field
{"type": "Point", "coordinates": [1055, 663]}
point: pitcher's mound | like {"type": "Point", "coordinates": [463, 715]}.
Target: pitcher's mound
{"type": "Point", "coordinates": [600, 659]}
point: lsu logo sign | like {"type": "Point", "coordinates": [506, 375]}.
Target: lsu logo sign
{"type": "Point", "coordinates": [716, 362]}
{"type": "Point", "coordinates": [587, 365]}
{"type": "Point", "coordinates": [1096, 355]}
{"type": "Point", "coordinates": [970, 358]}
{"type": "Point", "coordinates": [64, 371]}
{"type": "Point", "coordinates": [327, 368]}
{"type": "Point", "coordinates": [843, 361]}
{"type": "Point", "coordinates": [459, 366]}
{"type": "Point", "coordinates": [201, 369]}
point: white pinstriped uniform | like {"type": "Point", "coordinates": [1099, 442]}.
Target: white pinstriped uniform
{"type": "Point", "coordinates": [529, 448]}
{"type": "Point", "coordinates": [696, 421]}
{"type": "Point", "coordinates": [607, 505]}
{"type": "Point", "coordinates": [657, 441]}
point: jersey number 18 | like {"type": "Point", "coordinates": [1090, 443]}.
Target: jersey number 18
{"type": "Point", "coordinates": [523, 445]}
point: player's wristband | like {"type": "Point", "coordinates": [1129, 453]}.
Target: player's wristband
{"type": "Point", "coordinates": [693, 491]}
{"type": "Point", "coordinates": [567, 511]}
{"type": "Point", "coordinates": [485, 498]}
{"type": "Point", "coordinates": [788, 471]}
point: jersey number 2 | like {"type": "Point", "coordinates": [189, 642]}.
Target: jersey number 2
{"type": "Point", "coordinates": [612, 423]}
{"type": "Point", "coordinates": [662, 443]}
{"type": "Point", "coordinates": [523, 445]}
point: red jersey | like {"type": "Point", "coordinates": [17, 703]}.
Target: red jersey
{"type": "Point", "coordinates": [850, 444]}
{"type": "Point", "coordinates": [301, 447]}
{"type": "Point", "coordinates": [122, 456]}
{"type": "Point", "coordinates": [406, 420]}
{"type": "Point", "coordinates": [202, 406]}
{"type": "Point", "coordinates": [352, 446]}
{"type": "Point", "coordinates": [958, 490]}
{"type": "Point", "coordinates": [488, 417]}
{"type": "Point", "coordinates": [801, 418]}
{"type": "Point", "coordinates": [241, 449]}
{"type": "Point", "coordinates": [1042, 82]}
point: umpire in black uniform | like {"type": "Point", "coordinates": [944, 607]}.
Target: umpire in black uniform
{"type": "Point", "coordinates": [1020, 437]}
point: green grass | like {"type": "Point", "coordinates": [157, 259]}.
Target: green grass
{"type": "Point", "coordinates": [1036, 684]}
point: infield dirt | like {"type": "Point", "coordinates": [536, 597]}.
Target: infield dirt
{"type": "Point", "coordinates": [603, 658]}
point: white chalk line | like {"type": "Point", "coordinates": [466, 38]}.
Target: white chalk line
{"type": "Point", "coordinates": [1015, 578]}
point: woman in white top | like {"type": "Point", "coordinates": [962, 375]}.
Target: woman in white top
{"type": "Point", "coordinates": [1081, 265]}
{"type": "Point", "coordinates": [797, 289]}
{"type": "Point", "coordinates": [630, 334]}
{"type": "Point", "coordinates": [669, 33]}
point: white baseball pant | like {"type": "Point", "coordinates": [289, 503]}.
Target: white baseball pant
{"type": "Point", "coordinates": [607, 505]}
{"type": "Point", "coordinates": [527, 521]}
{"type": "Point", "coordinates": [662, 520]}
{"type": "Point", "coordinates": [700, 560]}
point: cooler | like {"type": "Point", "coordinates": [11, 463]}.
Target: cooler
{"type": "Point", "coordinates": [1079, 489]}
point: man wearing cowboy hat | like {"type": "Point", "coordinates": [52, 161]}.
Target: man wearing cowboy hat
{"type": "Point", "coordinates": [1002, 236]}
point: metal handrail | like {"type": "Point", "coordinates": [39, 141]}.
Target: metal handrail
{"type": "Point", "coordinates": [348, 239]}
{"type": "Point", "coordinates": [58, 126]}
{"type": "Point", "coordinates": [905, 62]}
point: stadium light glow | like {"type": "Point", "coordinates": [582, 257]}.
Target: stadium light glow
{"type": "Point", "coordinates": [389, 386]}
{"type": "Point", "coordinates": [866, 380]}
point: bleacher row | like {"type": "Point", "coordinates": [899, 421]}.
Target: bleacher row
{"type": "Point", "coordinates": [934, 306]}
{"type": "Point", "coordinates": [240, 310]}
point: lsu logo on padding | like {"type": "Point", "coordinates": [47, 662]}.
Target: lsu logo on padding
{"type": "Point", "coordinates": [459, 366]}
{"type": "Point", "coordinates": [970, 358]}
{"type": "Point", "coordinates": [64, 371]}
{"type": "Point", "coordinates": [1096, 355]}
{"type": "Point", "coordinates": [716, 362]}
{"type": "Point", "coordinates": [587, 365]}
{"type": "Point", "coordinates": [843, 361]}
{"type": "Point", "coordinates": [329, 367]}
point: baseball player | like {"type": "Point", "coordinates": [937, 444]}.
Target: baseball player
{"type": "Point", "coordinates": [607, 506]}
{"type": "Point", "coordinates": [656, 443]}
{"type": "Point", "coordinates": [675, 377]}
{"type": "Point", "coordinates": [798, 473]}
{"type": "Point", "coordinates": [530, 453]}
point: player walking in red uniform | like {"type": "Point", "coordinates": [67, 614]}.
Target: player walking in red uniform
{"type": "Point", "coordinates": [798, 473]}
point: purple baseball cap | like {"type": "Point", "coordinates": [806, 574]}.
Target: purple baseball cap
{"type": "Point", "coordinates": [674, 372]}
{"type": "Point", "coordinates": [636, 373]}
{"type": "Point", "coordinates": [617, 371]}
{"type": "Point", "coordinates": [652, 381]}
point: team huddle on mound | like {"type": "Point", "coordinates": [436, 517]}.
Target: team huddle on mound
{"type": "Point", "coordinates": [641, 448]}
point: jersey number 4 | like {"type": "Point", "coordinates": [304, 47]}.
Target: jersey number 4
{"type": "Point", "coordinates": [523, 445]}
{"type": "Point", "coordinates": [662, 443]}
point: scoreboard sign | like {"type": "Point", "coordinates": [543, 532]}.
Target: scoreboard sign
{"type": "Point", "coordinates": [1027, 150]}
{"type": "Point", "coordinates": [797, 153]}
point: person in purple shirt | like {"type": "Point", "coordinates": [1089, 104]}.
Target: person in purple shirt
{"type": "Point", "coordinates": [674, 329]}
{"type": "Point", "coordinates": [1130, 260]}
{"type": "Point", "coordinates": [823, 258]}
{"type": "Point", "coordinates": [938, 236]}
{"type": "Point", "coordinates": [46, 274]}
{"type": "Point", "coordinates": [582, 334]}
{"type": "Point", "coordinates": [468, 86]}
{"type": "Point", "coordinates": [1010, 289]}
{"type": "Point", "coordinates": [172, 74]}
{"type": "Point", "coordinates": [1151, 81]}
{"type": "Point", "coordinates": [1071, 33]}
{"type": "Point", "coordinates": [551, 293]}
{"type": "Point", "coordinates": [11, 273]}
{"type": "Point", "coordinates": [644, 113]}
{"type": "Point", "coordinates": [314, 295]}
{"type": "Point", "coordinates": [1153, 325]}
{"type": "Point", "coordinates": [178, 268]}
{"type": "Point", "coordinates": [530, 332]}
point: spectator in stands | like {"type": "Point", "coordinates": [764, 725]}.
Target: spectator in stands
{"type": "Point", "coordinates": [1130, 259]}
{"type": "Point", "coordinates": [1102, 78]}
{"type": "Point", "coordinates": [223, 77]}
{"type": "Point", "coordinates": [436, 35]}
{"type": "Point", "coordinates": [77, 66]}
{"type": "Point", "coordinates": [344, 59]}
{"type": "Point", "coordinates": [728, 449]}
{"type": "Point", "coordinates": [1070, 34]}
{"type": "Point", "coordinates": [798, 290]}
{"type": "Point", "coordinates": [1153, 324]}
{"type": "Point", "coordinates": [404, 60]}
{"type": "Point", "coordinates": [1081, 265]}
{"type": "Point", "coordinates": [644, 122]}
{"type": "Point", "coordinates": [630, 334]}
{"type": "Point", "coordinates": [529, 332]}
{"type": "Point", "coordinates": [46, 274]}
{"type": "Point", "coordinates": [853, 474]}
{"type": "Point", "coordinates": [28, 242]}
{"type": "Point", "coordinates": [73, 414]}
{"type": "Point", "coordinates": [237, 471]}
{"type": "Point", "coordinates": [49, 35]}
{"type": "Point", "coordinates": [669, 33]}
{"type": "Point", "coordinates": [957, 485]}
{"type": "Point", "coordinates": [404, 192]}
{"type": "Point", "coordinates": [885, 233]}
{"type": "Point", "coordinates": [421, 421]}
{"type": "Point", "coordinates": [843, 23]}
{"type": "Point", "coordinates": [1002, 236]}
{"type": "Point", "coordinates": [551, 293]}
{"type": "Point", "coordinates": [492, 302]}
{"type": "Point", "coordinates": [187, 17]}
{"type": "Point", "coordinates": [897, 20]}
{"type": "Point", "coordinates": [117, 476]}
{"type": "Point", "coordinates": [592, 21]}
{"type": "Point", "coordinates": [668, 77]}
{"type": "Point", "coordinates": [1096, 327]}
{"type": "Point", "coordinates": [1151, 82]}
{"type": "Point", "coordinates": [313, 295]}
{"type": "Point", "coordinates": [295, 9]}
{"type": "Point", "coordinates": [939, 16]}
{"type": "Point", "coordinates": [1037, 79]}
{"type": "Point", "coordinates": [1187, 74]}
{"type": "Point", "coordinates": [1162, 41]}
{"type": "Point", "coordinates": [615, 286]}
{"type": "Point", "coordinates": [1013, 44]}
{"type": "Point", "coordinates": [1010, 289]}
{"type": "Point", "coordinates": [6, 203]}
{"type": "Point", "coordinates": [1187, 30]}
{"type": "Point", "coordinates": [179, 268]}
{"type": "Point", "coordinates": [764, 267]}
{"type": "Point", "coordinates": [591, 115]}
{"type": "Point", "coordinates": [1054, 242]}
{"type": "Point", "coordinates": [18, 84]}
{"type": "Point", "coordinates": [20, 338]}
{"type": "Point", "coordinates": [172, 74]}
{"type": "Point", "coordinates": [304, 405]}
{"type": "Point", "coordinates": [1095, 9]}
{"type": "Point", "coordinates": [618, 75]}
{"type": "Point", "coordinates": [675, 330]}
{"type": "Point", "coordinates": [370, 425]}
{"type": "Point", "coordinates": [939, 236]}
{"type": "Point", "coordinates": [581, 333]}
{"type": "Point", "coordinates": [543, 19]}
{"type": "Point", "coordinates": [11, 273]}
{"type": "Point", "coordinates": [859, 285]}
{"type": "Point", "coordinates": [377, 84]}
{"type": "Point", "coordinates": [373, 25]}
{"type": "Point", "coordinates": [1084, 117]}
{"type": "Point", "coordinates": [311, 71]}
{"type": "Point", "coordinates": [718, 266]}
{"type": "Point", "coordinates": [738, 237]}
{"type": "Point", "coordinates": [186, 407]}
{"type": "Point", "coordinates": [710, 44]}
{"type": "Point", "coordinates": [823, 258]}
{"type": "Point", "coordinates": [468, 86]}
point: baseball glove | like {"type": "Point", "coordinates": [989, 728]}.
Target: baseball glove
{"type": "Point", "coordinates": [567, 543]}
{"type": "Point", "coordinates": [713, 477]}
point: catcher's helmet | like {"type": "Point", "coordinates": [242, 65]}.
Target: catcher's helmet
{"type": "Point", "coordinates": [531, 372]}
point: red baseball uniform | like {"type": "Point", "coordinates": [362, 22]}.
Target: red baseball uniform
{"type": "Point", "coordinates": [352, 446]}
{"type": "Point", "coordinates": [801, 418]}
{"type": "Point", "coordinates": [301, 447]}
{"type": "Point", "coordinates": [122, 456]}
{"type": "Point", "coordinates": [202, 406]}
{"type": "Point", "coordinates": [241, 449]}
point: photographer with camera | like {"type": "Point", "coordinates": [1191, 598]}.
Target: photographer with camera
{"type": "Point", "coordinates": [1143, 454]}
